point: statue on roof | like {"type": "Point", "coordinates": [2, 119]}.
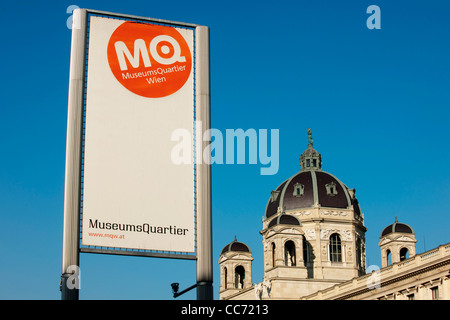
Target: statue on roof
{"type": "Point", "coordinates": [310, 139]}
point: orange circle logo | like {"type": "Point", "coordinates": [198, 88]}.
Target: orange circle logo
{"type": "Point", "coordinates": [149, 60]}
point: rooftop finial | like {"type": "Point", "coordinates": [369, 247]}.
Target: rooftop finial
{"type": "Point", "coordinates": [235, 238]}
{"type": "Point", "coordinates": [396, 219]}
{"type": "Point", "coordinates": [310, 139]}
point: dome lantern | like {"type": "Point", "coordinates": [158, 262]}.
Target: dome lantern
{"type": "Point", "coordinates": [310, 158]}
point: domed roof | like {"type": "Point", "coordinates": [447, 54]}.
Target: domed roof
{"type": "Point", "coordinates": [396, 227]}
{"type": "Point", "coordinates": [311, 187]}
{"type": "Point", "coordinates": [284, 219]}
{"type": "Point", "coordinates": [236, 246]}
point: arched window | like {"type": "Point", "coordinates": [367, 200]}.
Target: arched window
{"type": "Point", "coordinates": [273, 254]}
{"type": "Point", "coordinates": [404, 254]}
{"type": "Point", "coordinates": [306, 250]}
{"type": "Point", "coordinates": [225, 271]}
{"type": "Point", "coordinates": [335, 248]}
{"type": "Point", "coordinates": [289, 253]}
{"type": "Point", "coordinates": [388, 257]}
{"type": "Point", "coordinates": [239, 277]}
{"type": "Point", "coordinates": [358, 253]}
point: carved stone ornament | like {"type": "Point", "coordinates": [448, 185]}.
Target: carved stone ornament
{"type": "Point", "coordinates": [324, 252]}
{"type": "Point", "coordinates": [270, 233]}
{"type": "Point", "coordinates": [404, 238]}
{"type": "Point", "coordinates": [310, 234]}
{"type": "Point", "coordinates": [291, 231]}
{"type": "Point", "coordinates": [301, 213]}
{"type": "Point", "coordinates": [334, 213]}
{"type": "Point", "coordinates": [263, 289]}
{"type": "Point", "coordinates": [349, 253]}
{"type": "Point", "coordinates": [345, 234]}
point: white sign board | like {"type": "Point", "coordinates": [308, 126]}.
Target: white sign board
{"type": "Point", "coordinates": [140, 88]}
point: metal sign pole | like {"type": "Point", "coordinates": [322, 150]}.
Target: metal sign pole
{"type": "Point", "coordinates": [204, 222]}
{"type": "Point", "coordinates": [70, 255]}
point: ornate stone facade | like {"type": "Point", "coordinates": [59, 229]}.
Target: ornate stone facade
{"type": "Point", "coordinates": [313, 236]}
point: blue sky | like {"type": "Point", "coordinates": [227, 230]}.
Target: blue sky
{"type": "Point", "coordinates": [377, 102]}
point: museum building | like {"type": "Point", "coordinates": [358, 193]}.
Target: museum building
{"type": "Point", "coordinates": [313, 235]}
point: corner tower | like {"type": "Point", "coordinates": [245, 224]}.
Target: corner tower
{"type": "Point", "coordinates": [235, 268]}
{"type": "Point", "coordinates": [397, 243]}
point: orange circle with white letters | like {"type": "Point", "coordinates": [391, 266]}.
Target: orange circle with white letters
{"type": "Point", "coordinates": [149, 60]}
